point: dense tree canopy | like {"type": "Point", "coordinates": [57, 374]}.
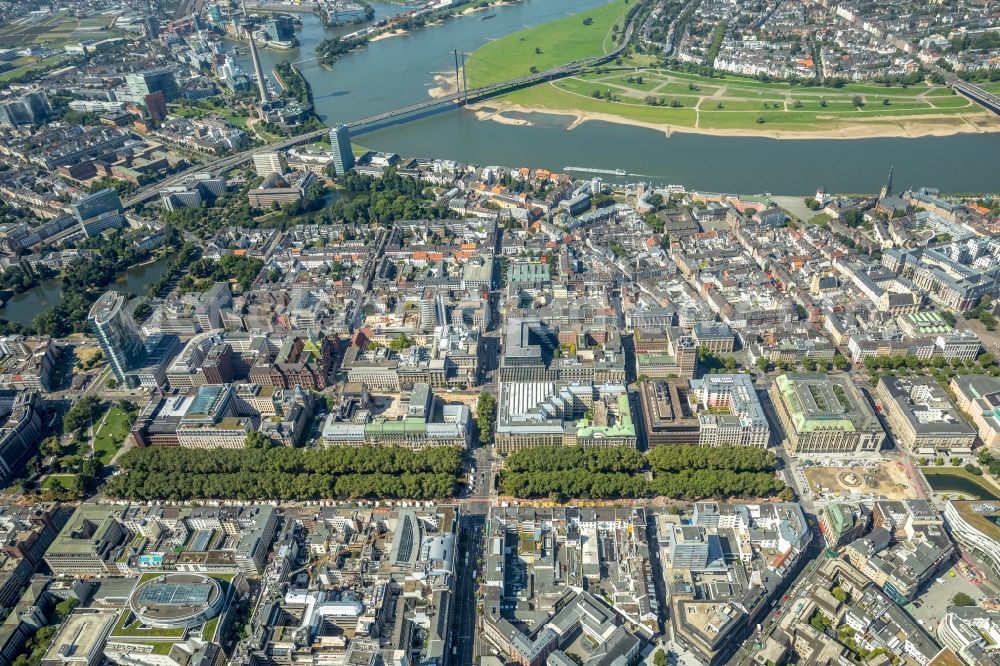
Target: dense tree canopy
{"type": "Point", "coordinates": [684, 472]}
{"type": "Point", "coordinates": [82, 413]}
{"type": "Point", "coordinates": [564, 458]}
{"type": "Point", "coordinates": [383, 200]}
{"type": "Point", "coordinates": [286, 473]}
{"type": "Point", "coordinates": [84, 280]}
{"type": "Point", "coordinates": [688, 457]}
{"type": "Point", "coordinates": [21, 277]}
{"type": "Point", "coordinates": [243, 270]}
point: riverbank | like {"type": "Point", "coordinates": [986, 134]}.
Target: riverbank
{"type": "Point", "coordinates": [402, 69]}
{"type": "Point", "coordinates": [473, 10]}
{"type": "Point", "coordinates": [438, 17]}
{"type": "Point", "coordinates": [388, 34]}
{"type": "Point", "coordinates": [925, 126]}
{"type": "Point", "coordinates": [584, 33]}
{"type": "Point", "coordinates": [636, 91]}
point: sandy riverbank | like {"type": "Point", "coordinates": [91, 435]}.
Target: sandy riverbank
{"type": "Point", "coordinates": [387, 34]}
{"type": "Point", "coordinates": [902, 127]}
{"type": "Point", "coordinates": [498, 117]}
{"type": "Point", "coordinates": [929, 125]}
{"type": "Point", "coordinates": [473, 10]}
{"type": "Point", "coordinates": [446, 85]}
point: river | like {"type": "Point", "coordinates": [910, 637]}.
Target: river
{"type": "Point", "coordinates": [22, 308]}
{"type": "Point", "coordinates": [398, 71]}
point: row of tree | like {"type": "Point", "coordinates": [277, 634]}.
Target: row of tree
{"type": "Point", "coordinates": [330, 460]}
{"type": "Point", "coordinates": [697, 484]}
{"type": "Point", "coordinates": [573, 483]}
{"type": "Point", "coordinates": [626, 459]}
{"type": "Point", "coordinates": [145, 485]}
{"type": "Point", "coordinates": [486, 416]}
{"type": "Point", "coordinates": [682, 472]}
{"type": "Point", "coordinates": [688, 484]}
{"type": "Point", "coordinates": [286, 473]}
{"type": "Point", "coordinates": [188, 253]}
{"type": "Point", "coordinates": [730, 458]}
{"type": "Point", "coordinates": [577, 458]}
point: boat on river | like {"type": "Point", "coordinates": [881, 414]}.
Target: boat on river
{"type": "Point", "coordinates": [610, 172]}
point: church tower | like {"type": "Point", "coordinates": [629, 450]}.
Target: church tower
{"type": "Point", "coordinates": [887, 188]}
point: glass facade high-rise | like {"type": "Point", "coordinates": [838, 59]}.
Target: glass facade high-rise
{"type": "Point", "coordinates": [340, 141]}
{"type": "Point", "coordinates": [117, 334]}
{"type": "Point", "coordinates": [141, 84]}
{"type": "Point", "coordinates": [92, 205]}
{"type": "Point", "coordinates": [280, 28]}
{"type": "Point", "coordinates": [99, 211]}
{"type": "Point", "coordinates": [31, 108]}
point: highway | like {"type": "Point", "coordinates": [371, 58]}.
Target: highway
{"type": "Point", "coordinates": [457, 99]}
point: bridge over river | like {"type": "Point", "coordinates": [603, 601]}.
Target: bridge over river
{"type": "Point", "coordinates": [455, 100]}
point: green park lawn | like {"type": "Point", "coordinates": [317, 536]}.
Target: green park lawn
{"type": "Point", "coordinates": [59, 481]}
{"type": "Point", "coordinates": [111, 434]}
{"type": "Point", "coordinates": [34, 65]}
{"type": "Point", "coordinates": [558, 42]}
{"type": "Point", "coordinates": [747, 105]}
{"type": "Point", "coordinates": [782, 107]}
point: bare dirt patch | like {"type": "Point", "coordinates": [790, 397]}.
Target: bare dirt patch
{"type": "Point", "coordinates": [887, 479]}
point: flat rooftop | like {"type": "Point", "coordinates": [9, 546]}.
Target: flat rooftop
{"type": "Point", "coordinates": [84, 531]}
{"type": "Point", "coordinates": [817, 401]}
{"type": "Point", "coordinates": [80, 634]}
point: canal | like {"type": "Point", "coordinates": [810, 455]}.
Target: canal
{"type": "Point", "coordinates": [399, 70]}
{"type": "Point", "coordinates": [943, 480]}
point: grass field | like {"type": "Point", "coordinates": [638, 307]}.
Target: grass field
{"type": "Point", "coordinates": [725, 104]}
{"type": "Point", "coordinates": [33, 65]}
{"type": "Point", "coordinates": [52, 31]}
{"type": "Point", "coordinates": [201, 111]}
{"type": "Point", "coordinates": [111, 435]}
{"type": "Point", "coordinates": [56, 30]}
{"type": "Point", "coordinates": [59, 481]}
{"type": "Point", "coordinates": [743, 105]}
{"type": "Point", "coordinates": [558, 42]}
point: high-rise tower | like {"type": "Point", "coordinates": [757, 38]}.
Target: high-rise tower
{"type": "Point", "coordinates": [258, 72]}
{"type": "Point", "coordinates": [340, 142]}
{"type": "Point", "coordinates": [117, 334]}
